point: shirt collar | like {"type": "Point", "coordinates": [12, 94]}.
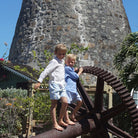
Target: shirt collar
{"type": "Point", "coordinates": [58, 59]}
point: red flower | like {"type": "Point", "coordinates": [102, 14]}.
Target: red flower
{"type": "Point", "coordinates": [1, 59]}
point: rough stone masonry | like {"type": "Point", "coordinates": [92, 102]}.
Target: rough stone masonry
{"type": "Point", "coordinates": [99, 24]}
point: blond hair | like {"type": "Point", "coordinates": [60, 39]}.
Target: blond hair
{"type": "Point", "coordinates": [71, 56]}
{"type": "Point", "coordinates": [60, 47]}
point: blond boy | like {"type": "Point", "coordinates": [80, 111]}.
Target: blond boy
{"type": "Point", "coordinates": [56, 72]}
{"type": "Point", "coordinates": [71, 87]}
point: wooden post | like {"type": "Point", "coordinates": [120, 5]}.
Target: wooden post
{"type": "Point", "coordinates": [109, 91]}
{"type": "Point", "coordinates": [98, 105]}
{"type": "Point", "coordinates": [30, 118]}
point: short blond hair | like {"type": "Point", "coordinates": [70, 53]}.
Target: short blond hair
{"type": "Point", "coordinates": [71, 56]}
{"type": "Point", "coordinates": [60, 47]}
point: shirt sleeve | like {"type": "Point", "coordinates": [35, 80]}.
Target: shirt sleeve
{"type": "Point", "coordinates": [51, 66]}
{"type": "Point", "coordinates": [71, 73]}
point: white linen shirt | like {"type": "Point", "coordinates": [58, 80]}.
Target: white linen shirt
{"type": "Point", "coordinates": [56, 72]}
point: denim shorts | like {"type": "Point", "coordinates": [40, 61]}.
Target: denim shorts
{"type": "Point", "coordinates": [56, 91]}
{"type": "Point", "coordinates": [73, 97]}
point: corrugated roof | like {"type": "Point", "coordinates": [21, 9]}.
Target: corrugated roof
{"type": "Point", "coordinates": [10, 68]}
{"type": "Point", "coordinates": [19, 74]}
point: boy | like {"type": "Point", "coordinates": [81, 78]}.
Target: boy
{"type": "Point", "coordinates": [56, 72]}
{"type": "Point", "coordinates": [71, 88]}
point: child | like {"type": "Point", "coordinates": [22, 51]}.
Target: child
{"type": "Point", "coordinates": [71, 88]}
{"type": "Point", "coordinates": [56, 72]}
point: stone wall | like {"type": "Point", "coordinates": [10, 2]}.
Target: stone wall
{"type": "Point", "coordinates": [99, 24]}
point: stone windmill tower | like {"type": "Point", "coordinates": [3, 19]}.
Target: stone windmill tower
{"type": "Point", "coordinates": [99, 24]}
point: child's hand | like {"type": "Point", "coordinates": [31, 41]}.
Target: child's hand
{"type": "Point", "coordinates": [81, 69]}
{"type": "Point", "coordinates": [76, 69]}
{"type": "Point", "coordinates": [37, 85]}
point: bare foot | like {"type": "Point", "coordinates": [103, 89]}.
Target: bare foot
{"type": "Point", "coordinates": [69, 122]}
{"type": "Point", "coordinates": [59, 128]}
{"type": "Point", "coordinates": [61, 123]}
{"type": "Point", "coordinates": [72, 117]}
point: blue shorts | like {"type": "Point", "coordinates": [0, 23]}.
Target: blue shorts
{"type": "Point", "coordinates": [56, 92]}
{"type": "Point", "coordinates": [73, 97]}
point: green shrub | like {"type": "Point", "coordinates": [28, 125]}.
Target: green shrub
{"type": "Point", "coordinates": [42, 106]}
{"type": "Point", "coordinates": [10, 121]}
{"type": "Point", "coordinates": [15, 106]}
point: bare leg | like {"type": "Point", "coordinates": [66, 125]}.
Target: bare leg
{"type": "Point", "coordinates": [62, 111]}
{"type": "Point", "coordinates": [67, 119]}
{"type": "Point", "coordinates": [53, 114]}
{"type": "Point", "coordinates": [79, 103]}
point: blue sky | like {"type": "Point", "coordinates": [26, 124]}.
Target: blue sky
{"type": "Point", "coordinates": [9, 12]}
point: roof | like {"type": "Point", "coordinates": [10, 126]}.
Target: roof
{"type": "Point", "coordinates": [18, 70]}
